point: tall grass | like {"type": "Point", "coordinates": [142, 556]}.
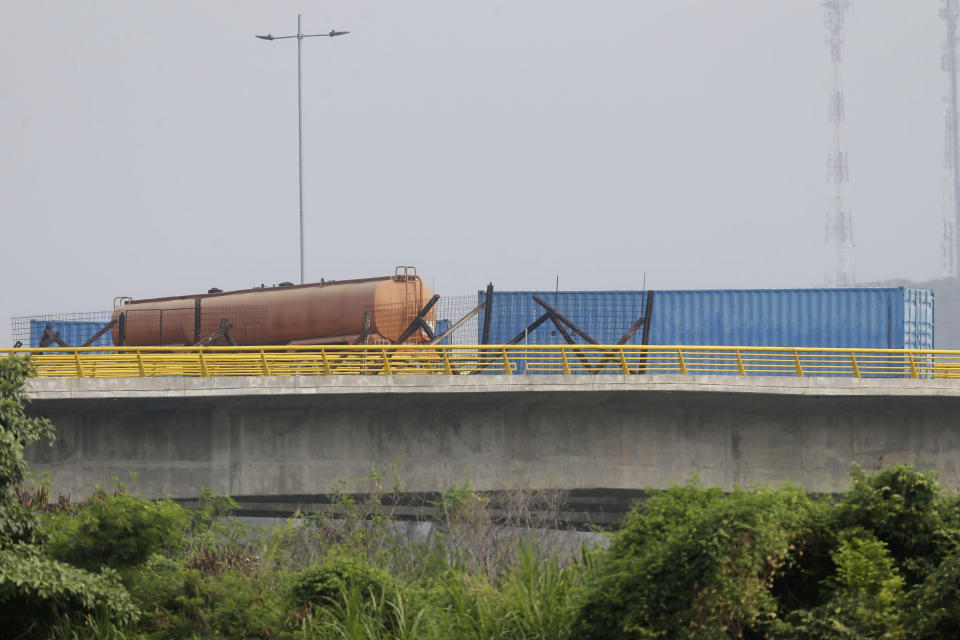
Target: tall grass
{"type": "Point", "coordinates": [531, 599]}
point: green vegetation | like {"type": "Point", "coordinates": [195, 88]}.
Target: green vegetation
{"type": "Point", "coordinates": [880, 561]}
{"type": "Point", "coordinates": [38, 592]}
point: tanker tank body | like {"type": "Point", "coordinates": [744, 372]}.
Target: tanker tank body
{"type": "Point", "coordinates": [319, 313]}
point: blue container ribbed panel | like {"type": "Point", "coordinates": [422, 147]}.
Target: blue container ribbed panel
{"type": "Point", "coordinates": [868, 318]}
{"type": "Point", "coordinates": [873, 318]}
{"type": "Point", "coordinates": [918, 318]}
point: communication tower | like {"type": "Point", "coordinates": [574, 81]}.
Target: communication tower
{"type": "Point", "coordinates": [951, 179]}
{"type": "Point", "coordinates": [839, 229]}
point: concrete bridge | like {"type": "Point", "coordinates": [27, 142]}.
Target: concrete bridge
{"type": "Point", "coordinates": [287, 440]}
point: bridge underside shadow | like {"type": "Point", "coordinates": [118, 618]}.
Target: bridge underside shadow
{"type": "Point", "coordinates": [269, 439]}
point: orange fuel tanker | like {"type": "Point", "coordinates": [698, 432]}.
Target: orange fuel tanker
{"type": "Point", "coordinates": [369, 310]}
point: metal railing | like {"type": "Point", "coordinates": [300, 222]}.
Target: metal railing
{"type": "Point", "coordinates": [123, 362]}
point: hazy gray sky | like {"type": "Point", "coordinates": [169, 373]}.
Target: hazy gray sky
{"type": "Point", "coordinates": [150, 148]}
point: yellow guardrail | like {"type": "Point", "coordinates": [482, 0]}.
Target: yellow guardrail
{"type": "Point", "coordinates": [126, 362]}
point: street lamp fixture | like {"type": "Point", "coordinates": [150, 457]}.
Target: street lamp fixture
{"type": "Point", "coordinates": [300, 36]}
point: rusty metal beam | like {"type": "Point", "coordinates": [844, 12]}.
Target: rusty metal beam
{"type": "Point", "coordinates": [580, 332]}
{"type": "Point", "coordinates": [487, 316]}
{"type": "Point", "coordinates": [569, 339]}
{"type": "Point", "coordinates": [419, 323]}
{"type": "Point", "coordinates": [122, 330]}
{"type": "Point", "coordinates": [647, 313]}
{"type": "Point", "coordinates": [365, 328]}
{"type": "Point", "coordinates": [641, 321]}
{"type": "Point", "coordinates": [533, 325]}
{"type": "Point", "coordinates": [102, 331]}
{"type": "Point", "coordinates": [456, 325]}
{"type": "Point", "coordinates": [49, 335]}
{"type": "Point", "coordinates": [222, 332]}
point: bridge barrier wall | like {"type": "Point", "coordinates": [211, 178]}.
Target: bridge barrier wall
{"type": "Point", "coordinates": [302, 435]}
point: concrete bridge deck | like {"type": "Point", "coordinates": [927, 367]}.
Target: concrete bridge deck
{"type": "Point", "coordinates": [298, 436]}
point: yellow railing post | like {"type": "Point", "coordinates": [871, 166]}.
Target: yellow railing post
{"type": "Point", "coordinates": [447, 369]}
{"type": "Point", "coordinates": [796, 360]}
{"type": "Point", "coordinates": [683, 365]}
{"type": "Point", "coordinates": [76, 356]}
{"type": "Point", "coordinates": [506, 363]}
{"type": "Point", "coordinates": [386, 361]}
{"type": "Point", "coordinates": [203, 364]}
{"type": "Point", "coordinates": [854, 365]}
{"type": "Point", "coordinates": [623, 362]}
{"type": "Point", "coordinates": [740, 364]}
{"type": "Point", "coordinates": [913, 366]}
{"type": "Point", "coordinates": [326, 363]}
{"type": "Point", "coordinates": [563, 359]}
{"type": "Point", "coordinates": [263, 360]}
{"type": "Point", "coordinates": [143, 371]}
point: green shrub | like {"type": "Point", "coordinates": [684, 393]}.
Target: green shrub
{"type": "Point", "coordinates": [799, 584]}
{"type": "Point", "coordinates": [180, 602]}
{"type": "Point", "coordinates": [347, 596]}
{"type": "Point", "coordinates": [339, 574]}
{"type": "Point", "coordinates": [694, 563]}
{"type": "Point", "coordinates": [907, 510]}
{"type": "Point", "coordinates": [37, 592]}
{"type": "Point", "coordinates": [864, 597]}
{"type": "Point", "coordinates": [868, 590]}
{"type": "Point", "coordinates": [16, 432]}
{"type": "Point", "coordinates": [934, 604]}
{"type": "Point", "coordinates": [115, 531]}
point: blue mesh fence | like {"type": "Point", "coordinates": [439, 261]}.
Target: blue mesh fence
{"type": "Point", "coordinates": [73, 328]}
{"type": "Point", "coordinates": [603, 315]}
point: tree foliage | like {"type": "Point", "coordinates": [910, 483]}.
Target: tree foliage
{"type": "Point", "coordinates": [17, 430]}
{"type": "Point", "coordinates": [342, 572]}
{"type": "Point", "coordinates": [698, 563]}
{"type": "Point", "coordinates": [694, 563]}
{"type": "Point", "coordinates": [863, 598]}
{"type": "Point", "coordinates": [115, 531]}
{"type": "Point", "coordinates": [933, 607]}
{"type": "Point", "coordinates": [907, 510]}
{"type": "Point", "coordinates": [37, 591]}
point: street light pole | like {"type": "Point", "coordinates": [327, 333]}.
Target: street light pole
{"type": "Point", "coordinates": [300, 135]}
{"type": "Point", "coordinates": [300, 36]}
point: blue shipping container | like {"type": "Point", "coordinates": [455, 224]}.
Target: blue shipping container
{"type": "Point", "coordinates": [873, 318]}
{"type": "Point", "coordinates": [73, 332]}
